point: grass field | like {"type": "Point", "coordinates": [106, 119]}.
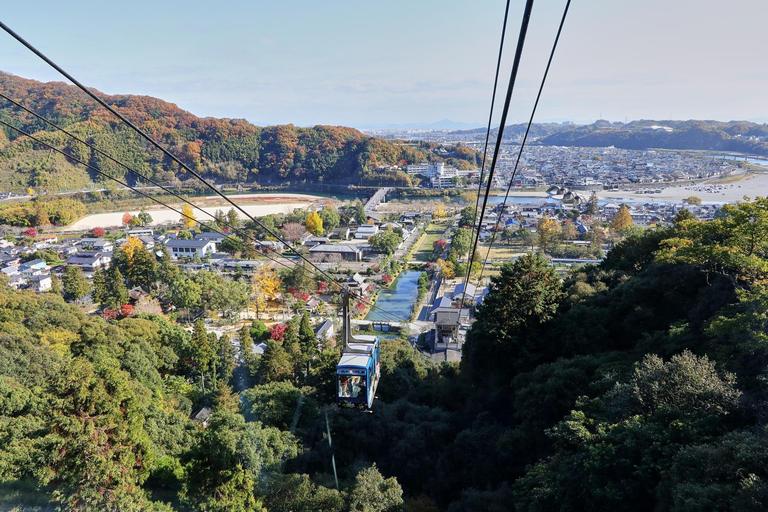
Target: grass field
{"type": "Point", "coordinates": [502, 252]}
{"type": "Point", "coordinates": [434, 231]}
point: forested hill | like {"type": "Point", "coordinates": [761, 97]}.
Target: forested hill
{"type": "Point", "coordinates": [738, 136]}
{"type": "Point", "coordinates": [226, 150]}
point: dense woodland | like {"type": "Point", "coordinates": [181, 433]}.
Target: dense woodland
{"type": "Point", "coordinates": [225, 150]}
{"type": "Point", "coordinates": [638, 384]}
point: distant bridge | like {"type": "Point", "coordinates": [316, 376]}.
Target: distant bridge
{"type": "Point", "coordinates": [374, 201]}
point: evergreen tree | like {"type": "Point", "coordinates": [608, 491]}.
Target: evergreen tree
{"type": "Point", "coordinates": [75, 284]}
{"type": "Point", "coordinates": [307, 341]}
{"type": "Point", "coordinates": [109, 288]}
{"type": "Point", "coordinates": [360, 216]}
{"type": "Point", "coordinates": [56, 284]}
{"type": "Point", "coordinates": [592, 205]}
{"type": "Point", "coordinates": [275, 363]}
{"type": "Point", "coordinates": [330, 219]}
{"type": "Point", "coordinates": [523, 296]}
{"type": "Point", "coordinates": [202, 351]}
{"type": "Point", "coordinates": [166, 269]}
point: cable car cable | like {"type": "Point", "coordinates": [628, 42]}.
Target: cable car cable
{"type": "Point", "coordinates": [527, 129]}
{"type": "Point", "coordinates": [500, 135]}
{"type": "Point", "coordinates": [152, 141]}
{"type": "Point", "coordinates": [490, 113]}
{"type": "Point", "coordinates": [118, 162]}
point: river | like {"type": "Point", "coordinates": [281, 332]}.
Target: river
{"type": "Point", "coordinates": [398, 299]}
{"type": "Point", "coordinates": [758, 161]}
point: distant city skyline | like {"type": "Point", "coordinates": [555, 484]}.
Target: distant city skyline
{"type": "Point", "coordinates": [397, 63]}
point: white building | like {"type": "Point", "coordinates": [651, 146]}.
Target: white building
{"type": "Point", "coordinates": [188, 248]}
{"type": "Point", "coordinates": [366, 231]}
{"type": "Point", "coordinates": [41, 283]}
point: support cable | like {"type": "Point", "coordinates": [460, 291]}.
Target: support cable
{"type": "Point", "coordinates": [525, 137]}
{"type": "Point", "coordinates": [490, 113]}
{"type": "Point", "coordinates": [152, 141]}
{"type": "Point", "coordinates": [164, 204]}
{"type": "Point", "coordinates": [500, 135]}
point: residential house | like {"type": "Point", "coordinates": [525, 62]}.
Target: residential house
{"type": "Point", "coordinates": [213, 237]}
{"type": "Point", "coordinates": [270, 245]}
{"type": "Point", "coordinates": [148, 241]}
{"type": "Point", "coordinates": [90, 261]}
{"type": "Point", "coordinates": [358, 285]}
{"type": "Point", "coordinates": [366, 231]}
{"type": "Point", "coordinates": [41, 283]}
{"type": "Point", "coordinates": [325, 333]}
{"type": "Point", "coordinates": [96, 245]}
{"type": "Point", "coordinates": [347, 252]}
{"type": "Point", "coordinates": [33, 265]}
{"type": "Point", "coordinates": [340, 233]}
{"type": "Point", "coordinates": [202, 417]}
{"type": "Point", "coordinates": [15, 279]}
{"type": "Point", "coordinates": [459, 294]}
{"type": "Point", "coordinates": [190, 248]}
{"type": "Point", "coordinates": [312, 241]}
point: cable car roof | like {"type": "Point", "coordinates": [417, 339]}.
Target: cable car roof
{"type": "Point", "coordinates": [354, 360]}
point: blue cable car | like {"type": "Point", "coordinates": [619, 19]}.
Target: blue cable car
{"type": "Point", "coordinates": [359, 370]}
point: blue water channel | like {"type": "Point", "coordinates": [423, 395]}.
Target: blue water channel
{"type": "Point", "coordinates": [398, 299]}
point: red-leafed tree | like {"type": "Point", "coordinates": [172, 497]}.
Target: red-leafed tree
{"type": "Point", "coordinates": [360, 307]}
{"type": "Point", "coordinates": [386, 278]}
{"type": "Point", "coordinates": [277, 332]}
{"type": "Point", "coordinates": [127, 218]}
{"type": "Point", "coordinates": [98, 232]}
{"type": "Point", "coordinates": [322, 287]}
{"type": "Point", "coordinates": [31, 232]}
{"type": "Point", "coordinates": [298, 294]}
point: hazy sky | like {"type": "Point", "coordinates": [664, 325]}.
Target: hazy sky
{"type": "Point", "coordinates": [361, 62]}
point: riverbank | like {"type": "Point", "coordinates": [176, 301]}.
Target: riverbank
{"type": "Point", "coordinates": [266, 204]}
{"type": "Point", "coordinates": [753, 184]}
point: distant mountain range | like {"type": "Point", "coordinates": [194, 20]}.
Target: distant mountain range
{"type": "Point", "coordinates": [444, 124]}
{"type": "Point", "coordinates": [735, 136]}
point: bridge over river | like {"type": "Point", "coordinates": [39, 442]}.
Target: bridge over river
{"type": "Point", "coordinates": [374, 201]}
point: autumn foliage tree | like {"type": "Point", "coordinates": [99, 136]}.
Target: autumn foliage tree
{"type": "Point", "coordinates": [266, 285]}
{"type": "Point", "coordinates": [621, 220]}
{"type": "Point", "coordinates": [292, 231]}
{"type": "Point", "coordinates": [127, 218]}
{"type": "Point", "coordinates": [188, 219]}
{"type": "Point", "coordinates": [314, 224]}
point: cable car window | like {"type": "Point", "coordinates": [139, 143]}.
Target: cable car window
{"type": "Point", "coordinates": [351, 386]}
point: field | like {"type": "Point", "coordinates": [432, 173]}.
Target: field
{"type": "Point", "coordinates": [434, 231]}
{"type": "Point", "coordinates": [501, 252]}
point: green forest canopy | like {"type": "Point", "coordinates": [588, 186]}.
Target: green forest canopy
{"type": "Point", "coordinates": [637, 384]}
